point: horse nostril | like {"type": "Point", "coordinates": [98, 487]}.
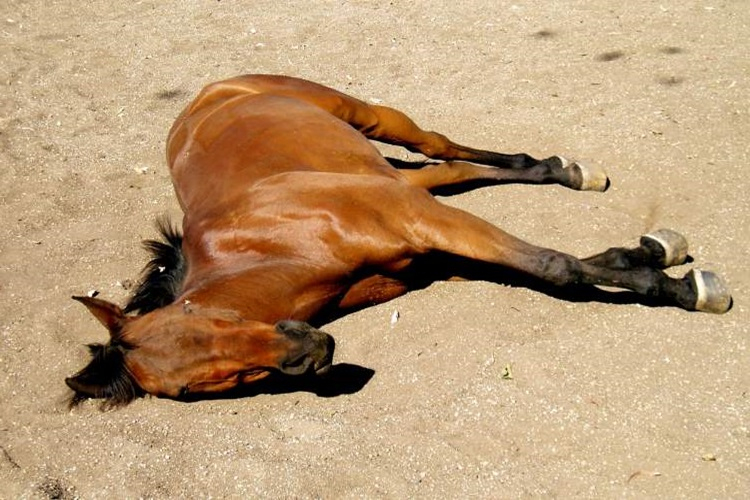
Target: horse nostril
{"type": "Point", "coordinates": [293, 329]}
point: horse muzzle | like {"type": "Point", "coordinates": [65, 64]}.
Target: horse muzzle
{"type": "Point", "coordinates": [312, 349]}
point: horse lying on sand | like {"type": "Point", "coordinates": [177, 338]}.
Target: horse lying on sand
{"type": "Point", "coordinates": [293, 218]}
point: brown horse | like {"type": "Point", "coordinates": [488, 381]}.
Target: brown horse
{"type": "Point", "coordinates": [292, 218]}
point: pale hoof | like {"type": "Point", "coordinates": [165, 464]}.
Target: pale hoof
{"type": "Point", "coordinates": [713, 293]}
{"type": "Point", "coordinates": [586, 178]}
{"type": "Point", "coordinates": [674, 245]}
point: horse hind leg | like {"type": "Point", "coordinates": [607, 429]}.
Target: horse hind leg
{"type": "Point", "coordinates": [385, 124]}
{"type": "Point", "coordinates": [555, 170]}
{"type": "Point", "coordinates": [391, 126]}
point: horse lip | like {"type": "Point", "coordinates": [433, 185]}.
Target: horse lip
{"type": "Point", "coordinates": [298, 365]}
{"type": "Point", "coordinates": [324, 365]}
{"type": "Point", "coordinates": [322, 370]}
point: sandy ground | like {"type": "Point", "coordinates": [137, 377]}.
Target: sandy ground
{"type": "Point", "coordinates": [605, 400]}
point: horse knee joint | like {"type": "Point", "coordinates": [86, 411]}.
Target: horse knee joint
{"type": "Point", "coordinates": [560, 269]}
{"type": "Point", "coordinates": [435, 146]}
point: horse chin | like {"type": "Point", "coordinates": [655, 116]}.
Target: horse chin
{"type": "Point", "coordinates": [323, 365]}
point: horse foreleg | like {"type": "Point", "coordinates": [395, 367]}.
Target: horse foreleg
{"type": "Point", "coordinates": [659, 249]}
{"type": "Point", "coordinates": [453, 231]}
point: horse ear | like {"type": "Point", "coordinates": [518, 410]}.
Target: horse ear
{"type": "Point", "coordinates": [108, 314]}
{"type": "Point", "coordinates": [81, 385]}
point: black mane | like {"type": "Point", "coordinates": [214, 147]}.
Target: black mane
{"type": "Point", "coordinates": [106, 376]}
{"type": "Point", "coordinates": [161, 279]}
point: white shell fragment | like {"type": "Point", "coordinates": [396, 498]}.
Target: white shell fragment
{"type": "Point", "coordinates": [394, 317]}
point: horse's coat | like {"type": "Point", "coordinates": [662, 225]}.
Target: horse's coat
{"type": "Point", "coordinates": [292, 217]}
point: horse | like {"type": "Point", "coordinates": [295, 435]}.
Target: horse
{"type": "Point", "coordinates": [293, 218]}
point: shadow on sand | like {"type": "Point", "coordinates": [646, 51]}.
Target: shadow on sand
{"type": "Point", "coordinates": [342, 378]}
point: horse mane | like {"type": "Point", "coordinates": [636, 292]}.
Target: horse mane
{"type": "Point", "coordinates": [162, 278]}
{"type": "Point", "coordinates": [106, 376]}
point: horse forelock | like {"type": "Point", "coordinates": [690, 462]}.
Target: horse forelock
{"type": "Point", "coordinates": [163, 276]}
{"type": "Point", "coordinates": [106, 377]}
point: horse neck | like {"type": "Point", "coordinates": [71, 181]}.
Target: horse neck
{"type": "Point", "coordinates": [266, 292]}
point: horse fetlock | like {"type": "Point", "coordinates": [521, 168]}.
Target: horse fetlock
{"type": "Point", "coordinates": [558, 161]}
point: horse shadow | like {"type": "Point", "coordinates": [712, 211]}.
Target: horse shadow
{"type": "Point", "coordinates": [341, 379]}
{"type": "Point", "coordinates": [346, 378]}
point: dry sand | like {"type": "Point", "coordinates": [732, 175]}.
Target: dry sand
{"type": "Point", "coordinates": [605, 400]}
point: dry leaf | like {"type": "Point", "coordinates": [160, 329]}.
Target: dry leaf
{"type": "Point", "coordinates": [507, 372]}
{"type": "Point", "coordinates": [643, 473]}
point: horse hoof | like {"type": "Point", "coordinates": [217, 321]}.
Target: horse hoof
{"type": "Point", "coordinates": [713, 293]}
{"type": "Point", "coordinates": [673, 244]}
{"type": "Point", "coordinates": [585, 178]}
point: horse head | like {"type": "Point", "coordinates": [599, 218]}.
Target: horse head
{"type": "Point", "coordinates": [182, 349]}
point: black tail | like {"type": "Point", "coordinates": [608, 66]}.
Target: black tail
{"type": "Point", "coordinates": [161, 280]}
